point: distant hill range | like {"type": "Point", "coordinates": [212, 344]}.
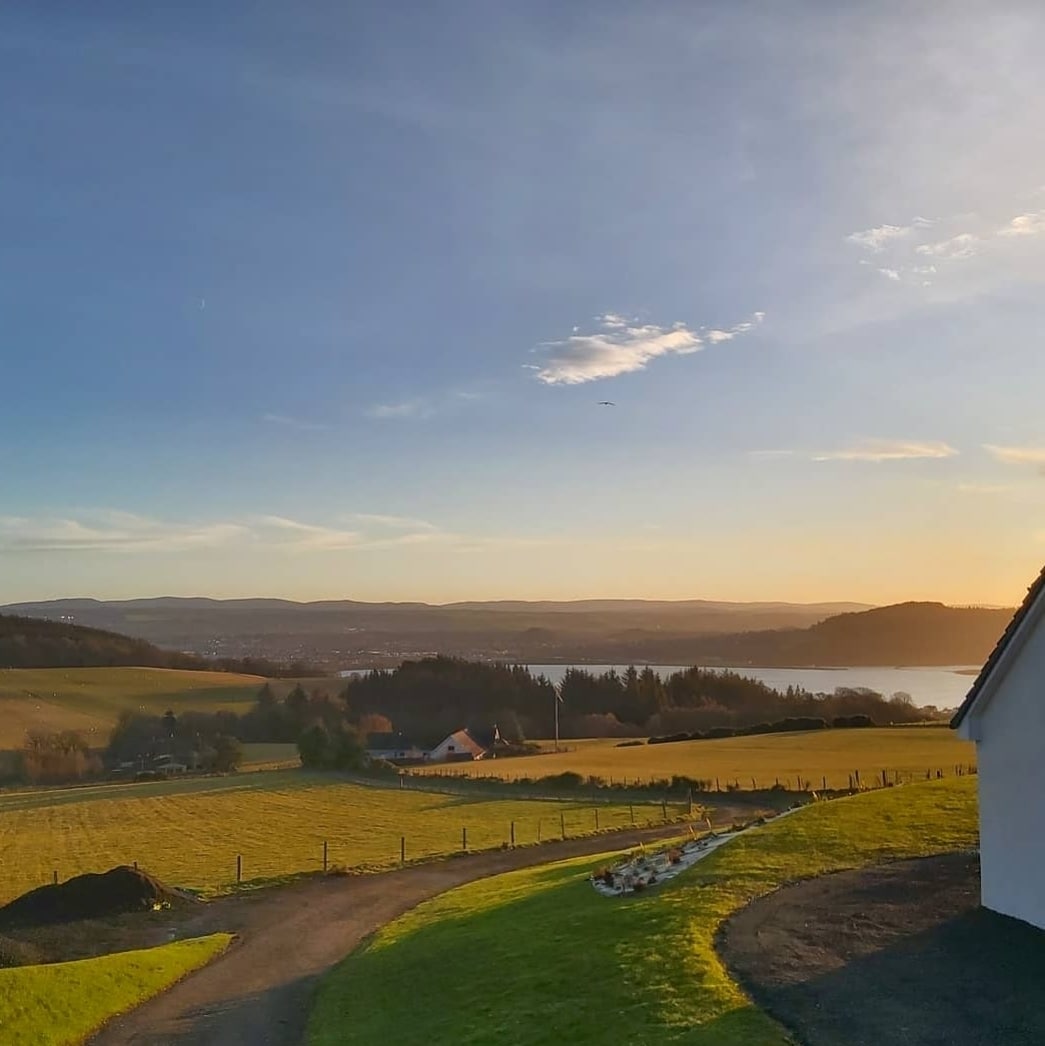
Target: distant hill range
{"type": "Point", "coordinates": [345, 634]}
{"type": "Point", "coordinates": [33, 642]}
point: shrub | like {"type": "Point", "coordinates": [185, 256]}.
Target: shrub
{"type": "Point", "coordinates": [567, 779]}
{"type": "Point", "coordinates": [628, 744]}
{"type": "Point", "coordinates": [843, 722]}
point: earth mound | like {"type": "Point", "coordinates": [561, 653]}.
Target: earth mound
{"type": "Point", "coordinates": [90, 896]}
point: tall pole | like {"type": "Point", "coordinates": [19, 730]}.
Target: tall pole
{"type": "Point", "coordinates": [557, 700]}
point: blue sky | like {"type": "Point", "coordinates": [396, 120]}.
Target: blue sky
{"type": "Point", "coordinates": [322, 303]}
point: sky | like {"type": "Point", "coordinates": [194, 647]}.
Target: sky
{"type": "Point", "coordinates": [461, 300]}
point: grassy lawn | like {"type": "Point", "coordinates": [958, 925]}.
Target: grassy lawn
{"type": "Point", "coordinates": [540, 958]}
{"type": "Point", "coordinates": [269, 756]}
{"type": "Point", "coordinates": [189, 832]}
{"type": "Point", "coordinates": [63, 1003]}
{"type": "Point", "coordinates": [765, 757]}
{"type": "Point", "coordinates": [90, 699]}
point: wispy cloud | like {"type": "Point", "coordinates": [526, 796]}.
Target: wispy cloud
{"type": "Point", "coordinates": [877, 238]}
{"type": "Point", "coordinates": [413, 408]}
{"type": "Point", "coordinates": [97, 531]}
{"type": "Point", "coordinates": [770, 454]}
{"type": "Point", "coordinates": [621, 346]}
{"type": "Point", "coordinates": [878, 450]}
{"type": "Point", "coordinates": [393, 522]}
{"type": "Point", "coordinates": [911, 255]}
{"type": "Point", "coordinates": [1017, 455]}
{"type": "Point", "coordinates": [295, 423]}
{"type": "Point", "coordinates": [964, 245]}
{"type": "Point", "coordinates": [1025, 225]}
{"type": "Point", "coordinates": [110, 531]}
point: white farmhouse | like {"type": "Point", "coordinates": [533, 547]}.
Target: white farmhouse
{"type": "Point", "coordinates": [460, 745]}
{"type": "Point", "coordinates": [1004, 714]}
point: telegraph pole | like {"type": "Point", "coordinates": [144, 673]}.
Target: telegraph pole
{"type": "Point", "coordinates": [558, 700]}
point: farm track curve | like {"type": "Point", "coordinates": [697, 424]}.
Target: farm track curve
{"type": "Point", "coordinates": [258, 992]}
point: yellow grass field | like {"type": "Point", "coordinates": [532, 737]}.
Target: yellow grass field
{"type": "Point", "coordinates": [90, 699]}
{"type": "Point", "coordinates": [189, 832]}
{"type": "Point", "coordinates": [766, 758]}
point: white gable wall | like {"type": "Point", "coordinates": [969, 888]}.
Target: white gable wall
{"type": "Point", "coordinates": [1010, 753]}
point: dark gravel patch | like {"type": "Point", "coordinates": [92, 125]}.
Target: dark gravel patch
{"type": "Point", "coordinates": [899, 953]}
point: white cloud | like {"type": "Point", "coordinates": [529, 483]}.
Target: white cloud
{"type": "Point", "coordinates": [621, 348]}
{"type": "Point", "coordinates": [890, 274]}
{"type": "Point", "coordinates": [1017, 455]}
{"type": "Point", "coordinates": [964, 245]}
{"type": "Point", "coordinates": [284, 531]}
{"type": "Point", "coordinates": [393, 522]}
{"type": "Point", "coordinates": [415, 408]}
{"type": "Point", "coordinates": [877, 238]}
{"type": "Point", "coordinates": [878, 450]}
{"type": "Point", "coordinates": [769, 455]}
{"type": "Point", "coordinates": [92, 531]}
{"type": "Point", "coordinates": [1032, 224]}
{"type": "Point", "coordinates": [101, 531]}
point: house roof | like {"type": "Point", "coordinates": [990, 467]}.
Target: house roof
{"type": "Point", "coordinates": [388, 742]}
{"type": "Point", "coordinates": [1034, 593]}
{"type": "Point", "coordinates": [462, 737]}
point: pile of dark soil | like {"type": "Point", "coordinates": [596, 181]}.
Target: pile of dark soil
{"type": "Point", "coordinates": [91, 896]}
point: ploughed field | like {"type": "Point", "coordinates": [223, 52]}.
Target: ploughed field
{"type": "Point", "coordinates": [189, 833]}
{"type": "Point", "coordinates": [759, 761]}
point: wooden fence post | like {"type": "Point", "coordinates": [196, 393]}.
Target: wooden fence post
{"type": "Point", "coordinates": [402, 849]}
{"type": "Point", "coordinates": [562, 823]}
{"type": "Point", "coordinates": [56, 877]}
{"type": "Point", "coordinates": [464, 839]}
{"type": "Point", "coordinates": [538, 829]}
{"type": "Point", "coordinates": [239, 868]}
{"type": "Point", "coordinates": [325, 853]}
{"type": "Point", "coordinates": [664, 808]}
{"type": "Point", "coordinates": [631, 809]}
{"type": "Point", "coordinates": [596, 819]}
{"type": "Point", "coordinates": [825, 782]}
{"type": "Point", "coordinates": [513, 835]}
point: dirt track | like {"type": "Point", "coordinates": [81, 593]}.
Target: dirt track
{"type": "Point", "coordinates": [257, 994]}
{"type": "Point", "coordinates": [896, 953]}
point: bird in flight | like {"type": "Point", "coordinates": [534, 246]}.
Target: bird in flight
{"type": "Point", "coordinates": [607, 403]}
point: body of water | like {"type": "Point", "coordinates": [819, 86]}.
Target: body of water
{"type": "Point", "coordinates": [944, 687]}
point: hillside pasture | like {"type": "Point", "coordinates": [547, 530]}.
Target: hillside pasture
{"type": "Point", "coordinates": [91, 699]}
{"type": "Point", "coordinates": [61, 1004]}
{"type": "Point", "coordinates": [189, 832]}
{"type": "Point", "coordinates": [540, 957]}
{"type": "Point", "coordinates": [766, 758]}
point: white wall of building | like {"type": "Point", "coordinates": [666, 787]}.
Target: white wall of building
{"type": "Point", "coordinates": [1010, 752]}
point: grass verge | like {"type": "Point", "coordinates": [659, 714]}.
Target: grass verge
{"type": "Point", "coordinates": [63, 1003]}
{"type": "Point", "coordinates": [540, 958]}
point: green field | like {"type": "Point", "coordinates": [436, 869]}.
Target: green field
{"type": "Point", "coordinates": [61, 1004]}
{"type": "Point", "coordinates": [189, 832]}
{"type": "Point", "coordinates": [766, 758]}
{"type": "Point", "coordinates": [91, 699]}
{"type": "Point", "coordinates": [540, 958]}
